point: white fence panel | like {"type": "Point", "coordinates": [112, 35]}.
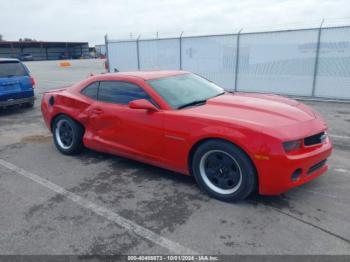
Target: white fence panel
{"type": "Point", "coordinates": [159, 54]}
{"type": "Point", "coordinates": [278, 62]}
{"type": "Point", "coordinates": [333, 74]}
{"type": "Point", "coordinates": [282, 62]}
{"type": "Point", "coordinates": [122, 56]}
{"type": "Point", "coordinates": [212, 57]}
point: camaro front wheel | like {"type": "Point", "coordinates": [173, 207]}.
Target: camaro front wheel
{"type": "Point", "coordinates": [68, 135]}
{"type": "Point", "coordinates": [223, 170]}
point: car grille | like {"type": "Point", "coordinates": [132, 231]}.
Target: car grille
{"type": "Point", "coordinates": [315, 139]}
{"type": "Point", "coordinates": [316, 166]}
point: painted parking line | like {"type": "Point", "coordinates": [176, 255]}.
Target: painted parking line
{"type": "Point", "coordinates": [342, 170]}
{"type": "Point", "coordinates": [129, 225]}
{"type": "Point", "coordinates": [339, 136]}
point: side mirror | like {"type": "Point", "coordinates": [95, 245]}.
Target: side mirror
{"type": "Point", "coordinates": [143, 104]}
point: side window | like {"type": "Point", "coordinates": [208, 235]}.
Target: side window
{"type": "Point", "coordinates": [91, 90]}
{"type": "Point", "coordinates": [120, 92]}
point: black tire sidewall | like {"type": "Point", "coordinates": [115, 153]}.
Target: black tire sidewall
{"type": "Point", "coordinates": [77, 136]}
{"type": "Point", "coordinates": [249, 179]}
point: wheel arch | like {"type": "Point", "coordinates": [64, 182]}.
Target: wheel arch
{"type": "Point", "coordinates": [67, 115]}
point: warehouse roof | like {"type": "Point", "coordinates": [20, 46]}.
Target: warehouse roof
{"type": "Point", "coordinates": [40, 44]}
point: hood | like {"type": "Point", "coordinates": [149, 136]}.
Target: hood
{"type": "Point", "coordinates": [256, 109]}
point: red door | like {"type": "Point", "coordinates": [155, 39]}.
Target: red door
{"type": "Point", "coordinates": [118, 129]}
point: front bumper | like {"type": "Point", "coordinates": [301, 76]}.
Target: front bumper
{"type": "Point", "coordinates": [275, 174]}
{"type": "Point", "coordinates": [19, 101]}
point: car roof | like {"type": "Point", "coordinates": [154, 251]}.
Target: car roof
{"type": "Point", "coordinates": [148, 75]}
{"type": "Point", "coordinates": [8, 60]}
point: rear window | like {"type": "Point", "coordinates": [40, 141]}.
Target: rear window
{"type": "Point", "coordinates": [12, 68]}
{"type": "Point", "coordinates": [91, 90]}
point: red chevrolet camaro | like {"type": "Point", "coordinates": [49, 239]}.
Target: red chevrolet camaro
{"type": "Point", "coordinates": [232, 143]}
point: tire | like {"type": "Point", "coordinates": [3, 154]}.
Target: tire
{"type": "Point", "coordinates": [223, 170]}
{"type": "Point", "coordinates": [28, 105]}
{"type": "Point", "coordinates": [67, 135]}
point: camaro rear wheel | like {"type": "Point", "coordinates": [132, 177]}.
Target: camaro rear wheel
{"type": "Point", "coordinates": [68, 135]}
{"type": "Point", "coordinates": [223, 170]}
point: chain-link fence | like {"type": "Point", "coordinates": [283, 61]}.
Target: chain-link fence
{"type": "Point", "coordinates": [305, 62]}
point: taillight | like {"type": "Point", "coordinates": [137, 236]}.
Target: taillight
{"type": "Point", "coordinates": [292, 145]}
{"type": "Point", "coordinates": [33, 81]}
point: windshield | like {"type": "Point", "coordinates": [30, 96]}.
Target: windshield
{"type": "Point", "coordinates": [12, 68]}
{"type": "Point", "coordinates": [186, 89]}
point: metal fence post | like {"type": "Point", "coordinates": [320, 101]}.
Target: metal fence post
{"type": "Point", "coordinates": [180, 49]}
{"type": "Point", "coordinates": [237, 58]}
{"type": "Point", "coordinates": [138, 53]}
{"type": "Point", "coordinates": [107, 57]}
{"type": "Point", "coordinates": [317, 58]}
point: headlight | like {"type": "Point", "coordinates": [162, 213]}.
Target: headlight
{"type": "Point", "coordinates": [324, 137]}
{"type": "Point", "coordinates": [292, 145]}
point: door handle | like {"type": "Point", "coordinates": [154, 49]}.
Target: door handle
{"type": "Point", "coordinates": [97, 111]}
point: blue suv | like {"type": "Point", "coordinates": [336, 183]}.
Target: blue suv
{"type": "Point", "coordinates": [16, 84]}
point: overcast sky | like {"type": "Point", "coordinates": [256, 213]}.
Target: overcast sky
{"type": "Point", "coordinates": [90, 20]}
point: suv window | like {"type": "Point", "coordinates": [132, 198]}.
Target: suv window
{"type": "Point", "coordinates": [12, 68]}
{"type": "Point", "coordinates": [119, 92]}
{"type": "Point", "coordinates": [91, 90]}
